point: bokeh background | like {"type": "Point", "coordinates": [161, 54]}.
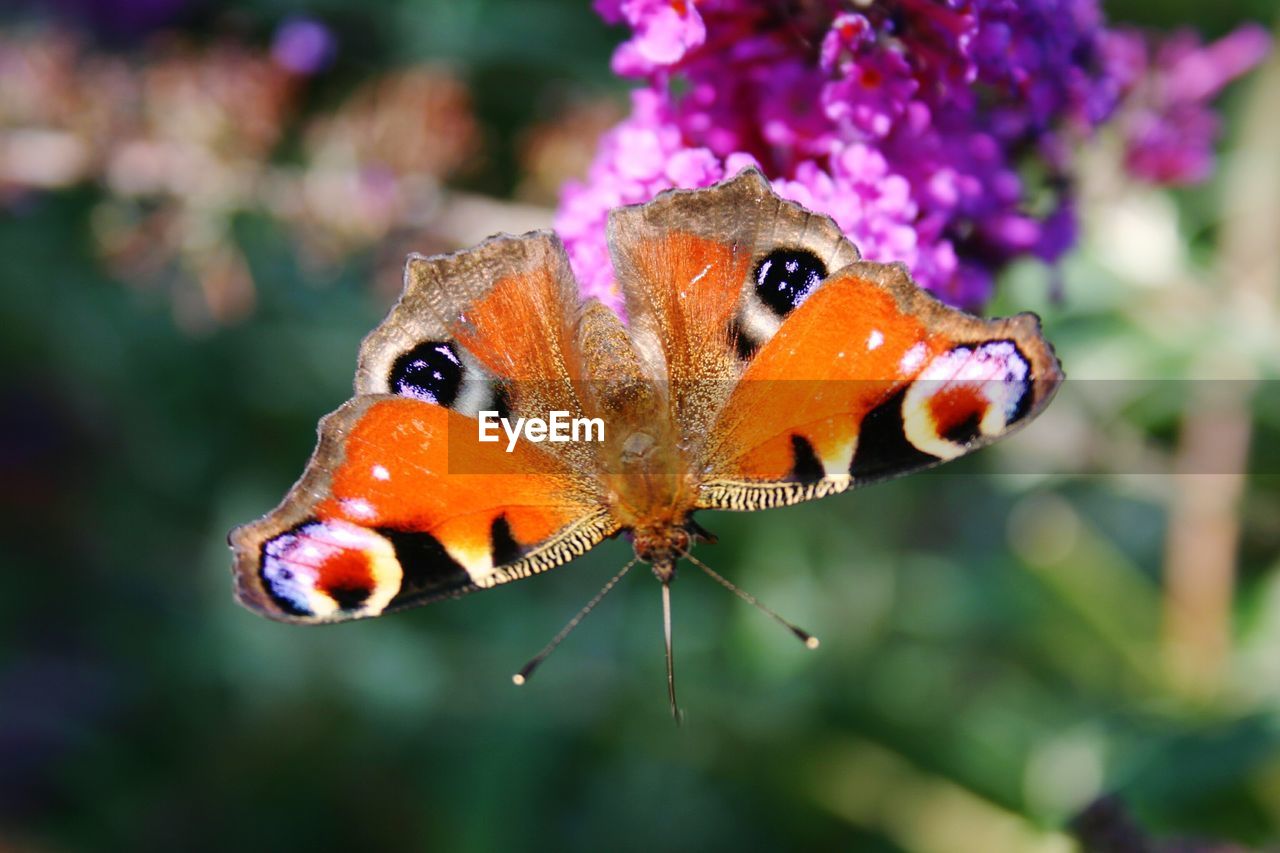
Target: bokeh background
{"type": "Point", "coordinates": [204, 206]}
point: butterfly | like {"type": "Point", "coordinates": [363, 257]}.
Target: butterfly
{"type": "Point", "coordinates": [762, 363]}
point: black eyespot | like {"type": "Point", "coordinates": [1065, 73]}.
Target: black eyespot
{"type": "Point", "coordinates": [784, 277]}
{"type": "Point", "coordinates": [431, 371]}
{"type": "Point", "coordinates": [501, 403]}
{"type": "Point", "coordinates": [1023, 406]}
{"type": "Point", "coordinates": [350, 597]}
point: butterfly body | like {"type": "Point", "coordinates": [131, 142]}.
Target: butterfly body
{"type": "Point", "coordinates": [762, 363]}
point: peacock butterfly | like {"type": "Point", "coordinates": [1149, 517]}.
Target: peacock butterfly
{"type": "Point", "coordinates": [763, 364]}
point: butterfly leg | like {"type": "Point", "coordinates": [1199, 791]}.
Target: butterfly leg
{"type": "Point", "coordinates": [699, 533]}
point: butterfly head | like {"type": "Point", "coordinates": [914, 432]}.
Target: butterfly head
{"type": "Point", "coordinates": [661, 547]}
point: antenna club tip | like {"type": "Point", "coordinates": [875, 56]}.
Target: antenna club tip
{"type": "Point", "coordinates": [812, 643]}
{"type": "Point", "coordinates": [517, 679]}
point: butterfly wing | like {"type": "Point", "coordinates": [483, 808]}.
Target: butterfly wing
{"type": "Point", "coordinates": [402, 503]}
{"type": "Point", "coordinates": [687, 263]}
{"type": "Point", "coordinates": [794, 369]}
{"type": "Point", "coordinates": [869, 378]}
{"type": "Point", "coordinates": [501, 321]}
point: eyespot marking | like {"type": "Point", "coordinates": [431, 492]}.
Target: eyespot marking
{"type": "Point", "coordinates": [431, 371]}
{"type": "Point", "coordinates": [785, 277]}
{"type": "Point", "coordinates": [883, 448]}
{"type": "Point", "coordinates": [321, 567]}
{"type": "Point", "coordinates": [744, 345]}
{"type": "Point", "coordinates": [429, 571]}
{"type": "Point", "coordinates": [966, 394]}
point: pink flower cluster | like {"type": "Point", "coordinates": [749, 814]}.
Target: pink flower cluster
{"type": "Point", "coordinates": [935, 132]}
{"type": "Point", "coordinates": [1168, 127]}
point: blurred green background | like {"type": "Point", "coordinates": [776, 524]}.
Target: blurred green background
{"type": "Point", "coordinates": [1092, 609]}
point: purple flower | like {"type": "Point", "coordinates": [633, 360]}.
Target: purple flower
{"type": "Point", "coordinates": [1190, 72]}
{"type": "Point", "coordinates": [125, 19]}
{"type": "Point", "coordinates": [303, 46]}
{"type": "Point", "coordinates": [665, 30]}
{"type": "Point", "coordinates": [913, 123]}
{"type": "Point", "coordinates": [849, 31]}
{"type": "Point", "coordinates": [872, 94]}
{"type": "Point", "coordinates": [1170, 130]}
{"type": "Point", "coordinates": [639, 158]}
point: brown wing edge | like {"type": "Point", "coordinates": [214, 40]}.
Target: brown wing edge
{"type": "Point", "coordinates": [698, 210]}
{"type": "Point", "coordinates": [248, 540]}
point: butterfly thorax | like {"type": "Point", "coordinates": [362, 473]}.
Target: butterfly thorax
{"type": "Point", "coordinates": [649, 474]}
{"type": "Point", "coordinates": [652, 493]}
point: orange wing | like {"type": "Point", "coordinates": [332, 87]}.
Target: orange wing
{"type": "Point", "coordinates": [401, 504]}
{"type": "Point", "coordinates": [792, 369]}
{"type": "Point", "coordinates": [868, 378]}
{"type": "Point", "coordinates": [687, 263]}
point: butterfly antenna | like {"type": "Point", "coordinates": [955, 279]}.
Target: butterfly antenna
{"type": "Point", "coordinates": [671, 668]}
{"type": "Point", "coordinates": [810, 641]}
{"type": "Point", "coordinates": [526, 671]}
